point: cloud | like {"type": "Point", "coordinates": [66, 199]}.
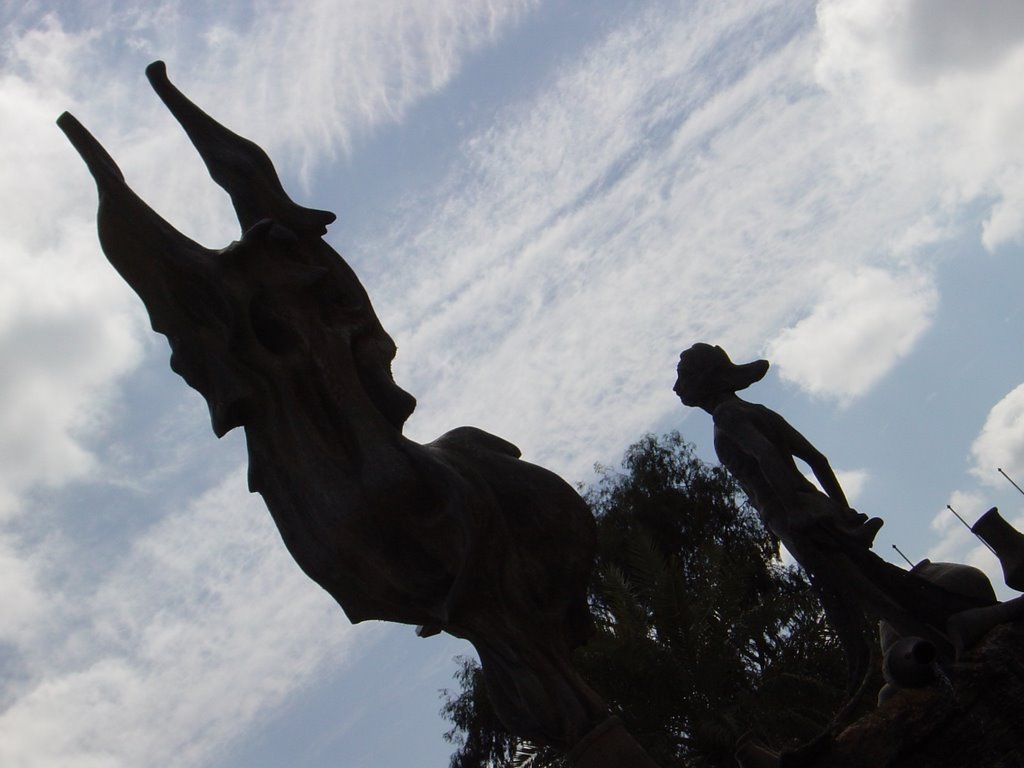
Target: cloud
{"type": "Point", "coordinates": [938, 79]}
{"type": "Point", "coordinates": [642, 202]}
{"type": "Point", "coordinates": [312, 78]}
{"type": "Point", "coordinates": [853, 482]}
{"type": "Point", "coordinates": [954, 537]}
{"type": "Point", "coordinates": [1000, 444]}
{"type": "Point", "coordinates": [21, 603]}
{"type": "Point", "coordinates": [647, 200]}
{"type": "Point", "coordinates": [863, 324]}
{"type": "Point", "coordinates": [68, 331]}
{"type": "Point", "coordinates": [204, 627]}
{"type": "Point", "coordinates": [66, 352]}
{"type": "Point", "coordinates": [924, 40]}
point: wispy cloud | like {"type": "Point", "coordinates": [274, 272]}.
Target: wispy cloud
{"type": "Point", "coordinates": [937, 80]}
{"type": "Point", "coordinates": [658, 194]}
{"type": "Point", "coordinates": [313, 77]}
{"type": "Point", "coordinates": [49, 321]}
{"type": "Point", "coordinates": [203, 626]}
{"type": "Point", "coordinates": [864, 322]}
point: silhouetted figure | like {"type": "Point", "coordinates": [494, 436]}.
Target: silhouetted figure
{"type": "Point", "coordinates": [758, 447]}
{"type": "Point", "coordinates": [830, 540]}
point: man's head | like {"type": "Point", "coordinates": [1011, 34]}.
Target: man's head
{"type": "Point", "coordinates": [705, 371]}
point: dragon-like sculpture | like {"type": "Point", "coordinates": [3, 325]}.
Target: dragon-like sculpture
{"type": "Point", "coordinates": [278, 335]}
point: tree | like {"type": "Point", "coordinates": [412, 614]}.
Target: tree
{"type": "Point", "coordinates": [702, 633]}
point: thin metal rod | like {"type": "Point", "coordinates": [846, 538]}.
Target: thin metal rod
{"type": "Point", "coordinates": [967, 525]}
{"type": "Point", "coordinates": [903, 556]}
{"type": "Point", "coordinates": [999, 469]}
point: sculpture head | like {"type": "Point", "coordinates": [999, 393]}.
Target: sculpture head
{"type": "Point", "coordinates": [705, 371]}
{"type": "Point", "coordinates": [277, 306]}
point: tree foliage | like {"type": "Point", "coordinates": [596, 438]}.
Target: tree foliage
{"type": "Point", "coordinates": [702, 633]}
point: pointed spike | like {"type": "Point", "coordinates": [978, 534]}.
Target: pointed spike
{"type": "Point", "coordinates": [140, 244]}
{"type": "Point", "coordinates": [237, 164]}
{"type": "Point", "coordinates": [101, 165]}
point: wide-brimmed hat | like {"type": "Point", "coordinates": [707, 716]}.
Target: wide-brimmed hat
{"type": "Point", "coordinates": [705, 369]}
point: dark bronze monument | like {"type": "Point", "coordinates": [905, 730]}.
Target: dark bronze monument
{"type": "Point", "coordinates": [277, 333]}
{"type": "Point", "coordinates": [827, 538]}
{"type": "Point", "coordinates": [933, 614]}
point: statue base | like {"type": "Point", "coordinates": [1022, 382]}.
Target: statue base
{"type": "Point", "coordinates": [609, 745]}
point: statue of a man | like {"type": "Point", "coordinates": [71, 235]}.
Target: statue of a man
{"type": "Point", "coordinates": [828, 538]}
{"type": "Point", "coordinates": [758, 447]}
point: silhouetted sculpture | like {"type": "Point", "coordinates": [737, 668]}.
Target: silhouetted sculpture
{"type": "Point", "coordinates": [758, 446]}
{"type": "Point", "coordinates": [1006, 542]}
{"type": "Point", "coordinates": [910, 662]}
{"type": "Point", "coordinates": [827, 538]}
{"type": "Point", "coordinates": [279, 336]}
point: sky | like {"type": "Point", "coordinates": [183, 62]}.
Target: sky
{"type": "Point", "coordinates": [546, 200]}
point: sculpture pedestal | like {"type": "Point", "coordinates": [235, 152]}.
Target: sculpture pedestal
{"type": "Point", "coordinates": [610, 745]}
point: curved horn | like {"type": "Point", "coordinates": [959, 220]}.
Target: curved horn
{"type": "Point", "coordinates": [147, 251]}
{"type": "Point", "coordinates": [101, 164]}
{"type": "Point", "coordinates": [237, 164]}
